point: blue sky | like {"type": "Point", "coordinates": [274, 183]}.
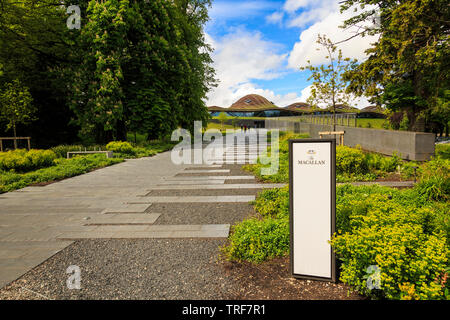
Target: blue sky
{"type": "Point", "coordinates": [260, 46]}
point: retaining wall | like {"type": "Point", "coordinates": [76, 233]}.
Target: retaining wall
{"type": "Point", "coordinates": [416, 146]}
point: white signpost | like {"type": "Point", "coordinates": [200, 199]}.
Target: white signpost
{"type": "Point", "coordinates": [312, 208]}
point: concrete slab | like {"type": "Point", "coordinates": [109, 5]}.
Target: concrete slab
{"type": "Point", "coordinates": [200, 199]}
{"type": "Point", "coordinates": [146, 218]}
{"type": "Point", "coordinates": [218, 187]}
{"type": "Point", "coordinates": [153, 232]}
{"type": "Point", "coordinates": [130, 208]}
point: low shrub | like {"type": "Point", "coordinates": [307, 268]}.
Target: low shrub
{"type": "Point", "coordinates": [350, 160]}
{"type": "Point", "coordinates": [22, 160]}
{"type": "Point", "coordinates": [434, 179]}
{"type": "Point", "coordinates": [401, 231]}
{"type": "Point", "coordinates": [120, 147]}
{"type": "Point", "coordinates": [257, 240]}
{"type": "Point", "coordinates": [63, 168]}
{"type": "Point", "coordinates": [442, 151]}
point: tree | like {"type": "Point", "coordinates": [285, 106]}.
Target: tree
{"type": "Point", "coordinates": [35, 47]}
{"type": "Point", "coordinates": [222, 118]}
{"type": "Point", "coordinates": [412, 50]}
{"type": "Point", "coordinates": [16, 106]}
{"type": "Point", "coordinates": [144, 68]}
{"type": "Point", "coordinates": [329, 87]}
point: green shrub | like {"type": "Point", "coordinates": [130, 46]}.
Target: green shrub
{"type": "Point", "coordinates": [120, 147]}
{"type": "Point", "coordinates": [22, 160]}
{"type": "Point", "coordinates": [61, 150]}
{"type": "Point", "coordinates": [443, 151]}
{"type": "Point", "coordinates": [63, 168]}
{"type": "Point", "coordinates": [434, 180]}
{"type": "Point", "coordinates": [257, 240]}
{"type": "Point", "coordinates": [273, 202]}
{"type": "Point", "coordinates": [350, 160]}
{"type": "Point", "coordinates": [402, 233]}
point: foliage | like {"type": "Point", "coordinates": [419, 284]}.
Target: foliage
{"type": "Point", "coordinates": [23, 160]}
{"type": "Point", "coordinates": [407, 67]}
{"type": "Point", "coordinates": [120, 147]}
{"type": "Point", "coordinates": [145, 68]}
{"type": "Point", "coordinates": [443, 151]}
{"type": "Point", "coordinates": [352, 164]}
{"type": "Point", "coordinates": [35, 47]}
{"type": "Point", "coordinates": [282, 175]}
{"type": "Point", "coordinates": [399, 231]}
{"type": "Point", "coordinates": [329, 87]}
{"type": "Point", "coordinates": [402, 232]}
{"type": "Point", "coordinates": [222, 118]}
{"type": "Point", "coordinates": [16, 106]}
{"type": "Point", "coordinates": [258, 240]}
{"type": "Point", "coordinates": [62, 169]}
{"type": "Point", "coordinates": [434, 180]}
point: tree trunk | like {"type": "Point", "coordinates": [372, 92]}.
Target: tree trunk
{"type": "Point", "coordinates": [15, 136]}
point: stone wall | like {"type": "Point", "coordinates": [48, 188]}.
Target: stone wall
{"type": "Point", "coordinates": [417, 146]}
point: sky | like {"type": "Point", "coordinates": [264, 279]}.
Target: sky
{"type": "Point", "coordinates": [260, 45]}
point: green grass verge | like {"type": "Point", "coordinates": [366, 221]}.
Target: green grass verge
{"type": "Point", "coordinates": [62, 169]}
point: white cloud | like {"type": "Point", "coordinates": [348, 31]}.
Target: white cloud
{"type": "Point", "coordinates": [358, 102]}
{"type": "Point", "coordinates": [241, 57]}
{"type": "Point", "coordinates": [275, 18]}
{"type": "Point", "coordinates": [306, 48]}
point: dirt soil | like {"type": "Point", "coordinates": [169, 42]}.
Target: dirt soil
{"type": "Point", "coordinates": [272, 280]}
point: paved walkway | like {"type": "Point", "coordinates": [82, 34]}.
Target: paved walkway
{"type": "Point", "coordinates": [131, 200]}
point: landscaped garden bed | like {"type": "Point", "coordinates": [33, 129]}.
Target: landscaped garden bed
{"type": "Point", "coordinates": [406, 233]}
{"type": "Point", "coordinates": [21, 168]}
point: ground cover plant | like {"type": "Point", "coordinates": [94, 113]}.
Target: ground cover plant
{"type": "Point", "coordinates": [61, 169]}
{"type": "Point", "coordinates": [406, 233]}
{"type": "Point", "coordinates": [21, 168]}
{"type": "Point", "coordinates": [352, 164]}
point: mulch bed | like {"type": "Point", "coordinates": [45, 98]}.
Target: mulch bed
{"type": "Point", "coordinates": [272, 280]}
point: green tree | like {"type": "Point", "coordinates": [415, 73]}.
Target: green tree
{"type": "Point", "coordinates": [222, 118]}
{"type": "Point", "coordinates": [16, 106]}
{"type": "Point", "coordinates": [328, 86]}
{"type": "Point", "coordinates": [35, 46]}
{"type": "Point", "coordinates": [412, 50]}
{"type": "Point", "coordinates": [145, 68]}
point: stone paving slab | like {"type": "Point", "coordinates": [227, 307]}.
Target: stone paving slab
{"type": "Point", "coordinates": [131, 208]}
{"type": "Point", "coordinates": [206, 171]}
{"type": "Point", "coordinates": [202, 199]}
{"type": "Point", "coordinates": [219, 187]}
{"type": "Point", "coordinates": [145, 218]}
{"type": "Point", "coordinates": [210, 178]}
{"type": "Point", "coordinates": [152, 232]}
{"type": "Point", "coordinates": [16, 258]}
{"type": "Point", "coordinates": [189, 182]}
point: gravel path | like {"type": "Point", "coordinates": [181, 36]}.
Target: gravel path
{"type": "Point", "coordinates": [129, 269]}
{"type": "Point", "coordinates": [147, 268]}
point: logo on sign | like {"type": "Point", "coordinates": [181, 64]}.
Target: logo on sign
{"type": "Point", "coordinates": [311, 160]}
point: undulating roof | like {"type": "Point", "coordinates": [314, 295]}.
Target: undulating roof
{"type": "Point", "coordinates": [253, 102]}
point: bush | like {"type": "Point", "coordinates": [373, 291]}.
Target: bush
{"type": "Point", "coordinates": [443, 151]}
{"type": "Point", "coordinates": [23, 161]}
{"type": "Point", "coordinates": [434, 180]}
{"type": "Point", "coordinates": [257, 240]}
{"type": "Point", "coordinates": [402, 233]}
{"type": "Point", "coordinates": [63, 168]}
{"type": "Point", "coordinates": [350, 160]}
{"type": "Point", "coordinates": [120, 147]}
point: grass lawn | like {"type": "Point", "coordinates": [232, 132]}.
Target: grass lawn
{"type": "Point", "coordinates": [372, 123]}
{"type": "Point", "coordinates": [20, 168]}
